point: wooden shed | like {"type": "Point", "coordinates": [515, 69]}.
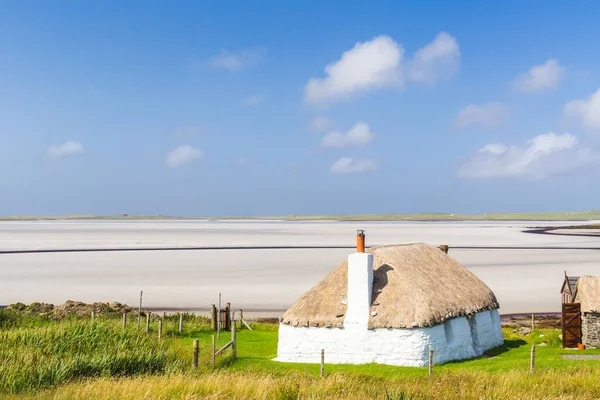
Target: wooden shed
{"type": "Point", "coordinates": [568, 288]}
{"type": "Point", "coordinates": [571, 313]}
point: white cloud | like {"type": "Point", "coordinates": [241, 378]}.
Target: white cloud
{"type": "Point", "coordinates": [188, 131]}
{"type": "Point", "coordinates": [241, 161]}
{"type": "Point", "coordinates": [238, 60]}
{"type": "Point", "coordinates": [368, 65]}
{"type": "Point", "coordinates": [293, 168]}
{"type": "Point", "coordinates": [358, 135]}
{"type": "Point", "coordinates": [435, 61]}
{"type": "Point", "coordinates": [183, 155]}
{"type": "Point", "coordinates": [254, 100]}
{"type": "Point", "coordinates": [545, 155]}
{"type": "Point", "coordinates": [494, 148]}
{"type": "Point", "coordinates": [540, 77]}
{"type": "Point", "coordinates": [66, 149]}
{"type": "Point", "coordinates": [586, 112]}
{"type": "Point", "coordinates": [321, 124]}
{"type": "Point", "coordinates": [485, 116]}
{"type": "Point", "coordinates": [347, 165]}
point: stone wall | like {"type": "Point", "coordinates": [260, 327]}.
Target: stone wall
{"type": "Point", "coordinates": [590, 329]}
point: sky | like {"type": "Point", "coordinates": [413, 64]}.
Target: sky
{"type": "Point", "coordinates": [206, 108]}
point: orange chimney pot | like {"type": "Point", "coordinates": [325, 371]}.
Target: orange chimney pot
{"type": "Point", "coordinates": [360, 241]}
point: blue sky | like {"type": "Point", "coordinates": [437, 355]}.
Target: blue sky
{"type": "Point", "coordinates": [273, 108]}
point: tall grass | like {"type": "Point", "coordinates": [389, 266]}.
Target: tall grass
{"type": "Point", "coordinates": [33, 358]}
{"type": "Point", "coordinates": [573, 383]}
{"type": "Point", "coordinates": [103, 360]}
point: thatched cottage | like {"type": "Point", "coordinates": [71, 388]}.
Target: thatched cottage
{"type": "Point", "coordinates": [389, 305]}
{"type": "Point", "coordinates": [587, 296]}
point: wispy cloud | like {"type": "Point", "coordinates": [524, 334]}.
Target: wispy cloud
{"type": "Point", "coordinates": [321, 124]}
{"type": "Point", "coordinates": [293, 168]}
{"type": "Point", "coordinates": [358, 135]}
{"type": "Point", "coordinates": [483, 116]}
{"type": "Point", "coordinates": [544, 156]}
{"type": "Point", "coordinates": [347, 165]}
{"type": "Point", "coordinates": [540, 77]}
{"type": "Point", "coordinates": [241, 161]}
{"type": "Point", "coordinates": [435, 61]}
{"type": "Point", "coordinates": [585, 111]}
{"type": "Point", "coordinates": [254, 100]}
{"type": "Point", "coordinates": [235, 61]}
{"type": "Point", "coordinates": [183, 155]}
{"type": "Point", "coordinates": [68, 148]}
{"type": "Point", "coordinates": [188, 131]}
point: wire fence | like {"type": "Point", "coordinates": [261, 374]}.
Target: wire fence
{"type": "Point", "coordinates": [327, 247]}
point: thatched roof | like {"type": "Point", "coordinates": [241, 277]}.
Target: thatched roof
{"type": "Point", "coordinates": [414, 285]}
{"type": "Point", "coordinates": [587, 293]}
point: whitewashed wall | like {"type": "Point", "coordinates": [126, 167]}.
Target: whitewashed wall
{"type": "Point", "coordinates": [456, 339]}
{"type": "Point", "coordinates": [489, 330]}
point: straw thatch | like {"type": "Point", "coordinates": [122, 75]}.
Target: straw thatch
{"type": "Point", "coordinates": [415, 285]}
{"type": "Point", "coordinates": [587, 293]}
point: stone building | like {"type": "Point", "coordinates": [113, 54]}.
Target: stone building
{"type": "Point", "coordinates": [390, 305]}
{"type": "Point", "coordinates": [587, 294]}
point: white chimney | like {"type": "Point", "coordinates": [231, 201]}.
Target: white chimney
{"type": "Point", "coordinates": [360, 285]}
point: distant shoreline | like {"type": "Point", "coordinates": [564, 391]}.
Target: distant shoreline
{"type": "Point", "coordinates": [584, 216]}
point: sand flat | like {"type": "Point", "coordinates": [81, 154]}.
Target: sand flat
{"type": "Point", "coordinates": [523, 280]}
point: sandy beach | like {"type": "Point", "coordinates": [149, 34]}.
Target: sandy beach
{"type": "Point", "coordinates": [524, 280]}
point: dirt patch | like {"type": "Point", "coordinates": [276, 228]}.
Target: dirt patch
{"type": "Point", "coordinates": [268, 320]}
{"type": "Point", "coordinates": [580, 357]}
{"type": "Point", "coordinates": [524, 321]}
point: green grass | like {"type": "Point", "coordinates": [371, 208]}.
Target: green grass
{"type": "Point", "coordinates": [547, 216]}
{"type": "Point", "coordinates": [102, 360]}
{"type": "Point", "coordinates": [258, 348]}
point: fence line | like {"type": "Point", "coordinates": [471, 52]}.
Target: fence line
{"type": "Point", "coordinates": [129, 249]}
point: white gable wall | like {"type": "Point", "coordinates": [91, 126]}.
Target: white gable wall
{"type": "Point", "coordinates": [452, 340]}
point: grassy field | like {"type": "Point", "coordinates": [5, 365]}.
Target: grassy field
{"type": "Point", "coordinates": [550, 216]}
{"type": "Point", "coordinates": [73, 358]}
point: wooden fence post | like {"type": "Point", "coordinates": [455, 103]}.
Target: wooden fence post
{"type": "Point", "coordinates": [233, 339]}
{"type": "Point", "coordinates": [212, 352]}
{"type": "Point", "coordinates": [93, 316]}
{"type": "Point", "coordinates": [147, 323]}
{"type": "Point", "coordinates": [532, 322]}
{"type": "Point", "coordinates": [124, 320]}
{"type": "Point", "coordinates": [241, 319]}
{"type": "Point", "coordinates": [532, 362]}
{"type": "Point", "coordinates": [219, 320]}
{"type": "Point", "coordinates": [322, 362]}
{"type": "Point", "coordinates": [213, 314]}
{"type": "Point", "coordinates": [430, 361]}
{"type": "Point", "coordinates": [196, 350]}
{"type": "Point", "coordinates": [180, 322]}
{"type": "Point", "coordinates": [228, 316]}
{"type": "Point", "coordinates": [159, 328]}
{"type": "Point", "coordinates": [140, 311]}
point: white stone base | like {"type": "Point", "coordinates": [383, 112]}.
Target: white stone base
{"type": "Point", "coordinates": [456, 339]}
